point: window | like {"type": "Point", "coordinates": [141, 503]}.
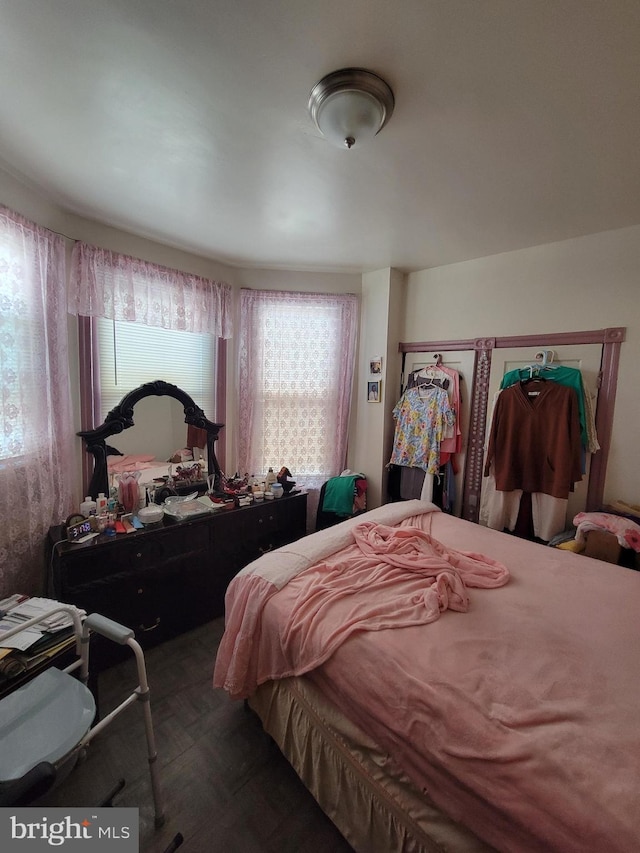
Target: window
{"type": "Point", "coordinates": [36, 435]}
{"type": "Point", "coordinates": [21, 354]}
{"type": "Point", "coordinates": [131, 354]}
{"type": "Point", "coordinates": [297, 353]}
{"type": "Point", "coordinates": [32, 326]}
{"type": "Point", "coordinates": [140, 322]}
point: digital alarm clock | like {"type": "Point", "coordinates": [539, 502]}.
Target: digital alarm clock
{"type": "Point", "coordinates": [81, 530]}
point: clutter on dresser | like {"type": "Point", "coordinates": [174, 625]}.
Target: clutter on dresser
{"type": "Point", "coordinates": [129, 491]}
{"type": "Point", "coordinates": [151, 514]}
{"type": "Point", "coordinates": [284, 475]}
{"type": "Point", "coordinates": [249, 488]}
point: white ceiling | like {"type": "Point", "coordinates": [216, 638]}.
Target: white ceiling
{"type": "Point", "coordinates": [517, 122]}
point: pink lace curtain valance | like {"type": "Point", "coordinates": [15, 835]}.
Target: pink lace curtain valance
{"type": "Point", "coordinates": [119, 287]}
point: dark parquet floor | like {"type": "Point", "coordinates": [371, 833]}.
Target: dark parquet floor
{"type": "Point", "coordinates": [227, 788]}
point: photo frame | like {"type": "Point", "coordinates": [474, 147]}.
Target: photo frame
{"type": "Point", "coordinates": [375, 365]}
{"type": "Point", "coordinates": [373, 391]}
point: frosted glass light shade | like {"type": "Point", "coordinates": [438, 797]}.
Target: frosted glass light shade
{"type": "Point", "coordinates": [350, 106]}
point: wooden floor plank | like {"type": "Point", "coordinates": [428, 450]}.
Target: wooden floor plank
{"type": "Point", "coordinates": [226, 785]}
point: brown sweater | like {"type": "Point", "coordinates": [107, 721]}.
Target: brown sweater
{"type": "Point", "coordinates": [534, 443]}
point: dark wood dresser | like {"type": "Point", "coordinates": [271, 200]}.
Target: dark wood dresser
{"type": "Point", "coordinates": [164, 580]}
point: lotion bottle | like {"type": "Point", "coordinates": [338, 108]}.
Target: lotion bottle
{"type": "Point", "coordinates": [101, 504]}
{"type": "Point", "coordinates": [88, 506]}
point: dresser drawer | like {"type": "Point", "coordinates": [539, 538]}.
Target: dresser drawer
{"type": "Point", "coordinates": [112, 561]}
{"type": "Point", "coordinates": [166, 580]}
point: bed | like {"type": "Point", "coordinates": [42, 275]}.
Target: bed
{"type": "Point", "coordinates": [150, 471]}
{"type": "Point", "coordinates": [438, 685]}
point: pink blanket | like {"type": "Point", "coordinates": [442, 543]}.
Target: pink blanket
{"type": "Point", "coordinates": [389, 577]}
{"type": "Point", "coordinates": [519, 717]}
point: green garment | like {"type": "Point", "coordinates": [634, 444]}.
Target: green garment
{"type": "Point", "coordinates": [339, 493]}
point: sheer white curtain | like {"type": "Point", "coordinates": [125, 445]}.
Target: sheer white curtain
{"type": "Point", "coordinates": [119, 287]}
{"type": "Point", "coordinates": [296, 364]}
{"type": "Point", "coordinates": [36, 432]}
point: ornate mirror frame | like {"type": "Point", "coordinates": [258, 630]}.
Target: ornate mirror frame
{"type": "Point", "coordinates": [121, 418]}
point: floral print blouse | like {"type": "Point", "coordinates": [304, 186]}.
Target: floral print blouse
{"type": "Point", "coordinates": [421, 416]}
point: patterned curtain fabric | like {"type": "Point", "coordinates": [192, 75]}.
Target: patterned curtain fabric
{"type": "Point", "coordinates": [36, 432]}
{"type": "Point", "coordinates": [296, 364]}
{"type": "Point", "coordinates": [118, 287]}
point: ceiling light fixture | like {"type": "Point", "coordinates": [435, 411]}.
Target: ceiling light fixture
{"type": "Point", "coordinates": [350, 106]}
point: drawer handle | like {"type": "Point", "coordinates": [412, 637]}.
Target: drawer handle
{"type": "Point", "coordinates": [265, 550]}
{"type": "Point", "coordinates": [151, 627]}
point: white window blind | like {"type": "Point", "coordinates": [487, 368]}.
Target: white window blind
{"type": "Point", "coordinates": [131, 354]}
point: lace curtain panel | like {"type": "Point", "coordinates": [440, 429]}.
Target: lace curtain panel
{"type": "Point", "coordinates": [119, 287]}
{"type": "Point", "coordinates": [296, 365]}
{"type": "Point", "coordinates": [36, 432]}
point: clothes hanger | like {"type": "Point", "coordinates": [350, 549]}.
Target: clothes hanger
{"type": "Point", "coordinates": [430, 383]}
{"type": "Point", "coordinates": [435, 378]}
{"type": "Point", "coordinates": [542, 362]}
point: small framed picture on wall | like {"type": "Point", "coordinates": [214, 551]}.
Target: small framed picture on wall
{"type": "Point", "coordinates": [373, 391]}
{"type": "Point", "coordinates": [375, 365]}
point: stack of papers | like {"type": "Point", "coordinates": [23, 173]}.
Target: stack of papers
{"type": "Point", "coordinates": [19, 609]}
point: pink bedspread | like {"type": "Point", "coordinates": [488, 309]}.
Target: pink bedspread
{"type": "Point", "coordinates": [519, 717]}
{"type": "Point", "coordinates": [389, 577]}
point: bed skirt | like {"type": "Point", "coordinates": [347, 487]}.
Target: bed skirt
{"type": "Point", "coordinates": [357, 785]}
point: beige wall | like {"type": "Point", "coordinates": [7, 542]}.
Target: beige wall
{"type": "Point", "coordinates": [365, 453]}
{"type": "Point", "coordinates": [381, 315]}
{"type": "Point", "coordinates": [587, 283]}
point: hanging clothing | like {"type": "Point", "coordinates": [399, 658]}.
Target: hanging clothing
{"type": "Point", "coordinates": [421, 415]}
{"type": "Point", "coordinates": [414, 482]}
{"type": "Point", "coordinates": [534, 445]}
{"type": "Point", "coordinates": [571, 377]}
{"type": "Point", "coordinates": [500, 510]}
{"type": "Point", "coordinates": [452, 440]}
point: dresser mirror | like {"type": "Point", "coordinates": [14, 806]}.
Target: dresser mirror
{"type": "Point", "coordinates": [149, 412]}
